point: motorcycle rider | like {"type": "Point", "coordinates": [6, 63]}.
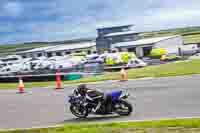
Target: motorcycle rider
{"type": "Point", "coordinates": [94, 95]}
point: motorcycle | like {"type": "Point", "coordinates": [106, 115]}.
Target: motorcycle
{"type": "Point", "coordinates": [81, 107]}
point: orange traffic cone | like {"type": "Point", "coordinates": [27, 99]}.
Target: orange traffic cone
{"type": "Point", "coordinates": [21, 86]}
{"type": "Point", "coordinates": [124, 75]}
{"type": "Point", "coordinates": [58, 81]}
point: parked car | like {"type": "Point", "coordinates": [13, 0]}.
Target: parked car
{"type": "Point", "coordinates": [190, 49]}
{"type": "Point", "coordinates": [135, 63]}
{"type": "Point", "coordinates": [93, 59]}
{"type": "Point", "coordinates": [151, 61]}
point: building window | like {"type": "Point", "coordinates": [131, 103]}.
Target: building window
{"type": "Point", "coordinates": [77, 51]}
{"type": "Point", "coordinates": [128, 39]}
{"type": "Point", "coordinates": [132, 50]}
{"type": "Point", "coordinates": [31, 55]}
{"type": "Point", "coordinates": [89, 52]}
{"type": "Point", "coordinates": [24, 56]}
{"type": "Point", "coordinates": [67, 52]}
{"type": "Point", "coordinates": [147, 51]}
{"type": "Point", "coordinates": [39, 54]}
{"type": "Point", "coordinates": [58, 54]}
{"type": "Point", "coordinates": [49, 54]}
{"type": "Point", "coordinates": [110, 39]}
{"type": "Point", "coordinates": [125, 29]}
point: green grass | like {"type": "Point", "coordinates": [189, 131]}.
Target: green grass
{"type": "Point", "coordinates": [187, 37]}
{"type": "Point", "coordinates": [9, 49]}
{"type": "Point", "coordinates": [190, 34]}
{"type": "Point", "coordinates": [171, 69]}
{"type": "Point", "coordinates": [195, 38]}
{"type": "Point", "coordinates": [159, 126]}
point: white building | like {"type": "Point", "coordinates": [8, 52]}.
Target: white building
{"type": "Point", "coordinates": [143, 47]}
{"type": "Point", "coordinates": [72, 48]}
{"type": "Point", "coordinates": [59, 50]}
{"type": "Point", "coordinates": [36, 52]}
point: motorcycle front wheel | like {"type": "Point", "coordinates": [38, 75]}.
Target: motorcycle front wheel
{"type": "Point", "coordinates": [123, 108]}
{"type": "Point", "coordinates": [80, 112]}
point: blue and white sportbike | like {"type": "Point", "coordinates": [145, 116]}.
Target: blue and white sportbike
{"type": "Point", "coordinates": [82, 106]}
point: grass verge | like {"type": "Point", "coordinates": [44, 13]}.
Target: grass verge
{"type": "Point", "coordinates": [165, 70]}
{"type": "Point", "coordinates": [156, 126]}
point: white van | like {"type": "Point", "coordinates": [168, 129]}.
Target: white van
{"type": "Point", "coordinates": [189, 49]}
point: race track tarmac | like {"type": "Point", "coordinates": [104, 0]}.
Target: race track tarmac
{"type": "Point", "coordinates": [152, 99]}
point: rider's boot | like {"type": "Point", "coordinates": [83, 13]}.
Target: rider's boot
{"type": "Point", "coordinates": [98, 106]}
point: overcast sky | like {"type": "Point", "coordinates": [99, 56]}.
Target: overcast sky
{"type": "Point", "coordinates": [51, 20]}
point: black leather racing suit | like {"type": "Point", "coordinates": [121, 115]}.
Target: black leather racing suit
{"type": "Point", "coordinates": [96, 96]}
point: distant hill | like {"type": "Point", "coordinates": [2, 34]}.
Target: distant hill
{"type": "Point", "coordinates": [190, 34]}
{"type": "Point", "coordinates": [61, 42]}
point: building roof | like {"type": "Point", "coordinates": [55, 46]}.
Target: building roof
{"type": "Point", "coordinates": [113, 27]}
{"type": "Point", "coordinates": [36, 49]}
{"type": "Point", "coordinates": [71, 46]}
{"type": "Point", "coordinates": [60, 47]}
{"type": "Point", "coordinates": [119, 33]}
{"type": "Point", "coordinates": [144, 41]}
